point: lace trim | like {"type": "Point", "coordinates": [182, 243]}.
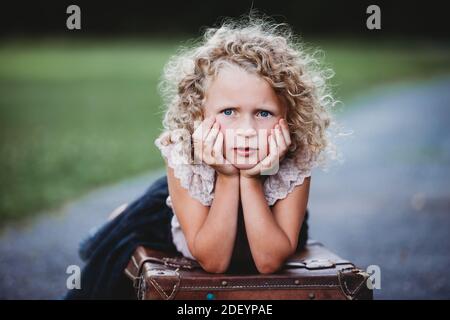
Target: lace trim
{"type": "Point", "coordinates": [198, 179]}
{"type": "Point", "coordinates": [279, 185]}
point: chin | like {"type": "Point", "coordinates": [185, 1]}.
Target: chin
{"type": "Point", "coordinates": [244, 163]}
{"type": "Point", "coordinates": [244, 166]}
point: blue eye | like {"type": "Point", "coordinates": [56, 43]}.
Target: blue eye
{"type": "Point", "coordinates": [227, 112]}
{"type": "Point", "coordinates": [264, 114]}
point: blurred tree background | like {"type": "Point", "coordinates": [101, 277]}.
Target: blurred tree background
{"type": "Point", "coordinates": [80, 109]}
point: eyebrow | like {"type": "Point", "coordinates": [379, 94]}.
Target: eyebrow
{"type": "Point", "coordinates": [265, 107]}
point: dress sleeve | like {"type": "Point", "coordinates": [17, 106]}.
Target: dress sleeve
{"type": "Point", "coordinates": [292, 172]}
{"type": "Point", "coordinates": [198, 179]}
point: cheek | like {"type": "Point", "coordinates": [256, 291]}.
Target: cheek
{"type": "Point", "coordinates": [263, 145]}
{"type": "Point", "coordinates": [227, 138]}
{"type": "Point", "coordinates": [264, 133]}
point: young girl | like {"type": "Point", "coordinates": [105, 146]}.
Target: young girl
{"type": "Point", "coordinates": [245, 123]}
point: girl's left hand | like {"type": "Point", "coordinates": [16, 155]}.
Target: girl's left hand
{"type": "Point", "coordinates": [279, 141]}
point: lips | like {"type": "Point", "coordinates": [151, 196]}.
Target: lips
{"type": "Point", "coordinates": [244, 151]}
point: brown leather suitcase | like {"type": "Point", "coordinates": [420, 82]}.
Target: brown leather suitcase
{"type": "Point", "coordinates": [314, 273]}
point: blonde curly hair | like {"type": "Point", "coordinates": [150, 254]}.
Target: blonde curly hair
{"type": "Point", "coordinates": [263, 47]}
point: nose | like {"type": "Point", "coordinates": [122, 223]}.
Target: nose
{"type": "Point", "coordinates": [246, 133]}
{"type": "Point", "coordinates": [245, 128]}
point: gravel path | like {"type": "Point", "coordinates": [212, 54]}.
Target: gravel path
{"type": "Point", "coordinates": [388, 204]}
{"type": "Point", "coordinates": [35, 255]}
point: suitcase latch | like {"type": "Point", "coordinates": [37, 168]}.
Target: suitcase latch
{"type": "Point", "coordinates": [311, 264]}
{"type": "Point", "coordinates": [315, 264]}
{"type": "Point", "coordinates": [161, 273]}
{"type": "Point", "coordinates": [181, 263]}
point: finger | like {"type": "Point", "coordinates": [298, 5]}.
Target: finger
{"type": "Point", "coordinates": [272, 142]}
{"type": "Point", "coordinates": [274, 150]}
{"type": "Point", "coordinates": [280, 139]}
{"type": "Point", "coordinates": [211, 137]}
{"type": "Point", "coordinates": [285, 131]}
{"type": "Point", "coordinates": [199, 145]}
{"type": "Point", "coordinates": [273, 153]}
{"type": "Point", "coordinates": [198, 139]}
{"type": "Point", "coordinates": [203, 129]}
{"type": "Point", "coordinates": [209, 142]}
{"type": "Point", "coordinates": [270, 163]}
{"type": "Point", "coordinates": [218, 145]}
{"type": "Point", "coordinates": [209, 122]}
{"type": "Point", "coordinates": [262, 135]}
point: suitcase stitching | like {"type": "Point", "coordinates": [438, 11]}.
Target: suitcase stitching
{"type": "Point", "coordinates": [351, 293]}
{"type": "Point", "coordinates": [261, 286]}
{"type": "Point", "coordinates": [161, 290]}
{"type": "Point", "coordinates": [134, 262]}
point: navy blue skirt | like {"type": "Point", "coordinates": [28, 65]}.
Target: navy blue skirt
{"type": "Point", "coordinates": [146, 221]}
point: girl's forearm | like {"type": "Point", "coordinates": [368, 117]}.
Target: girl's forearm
{"type": "Point", "coordinates": [269, 244]}
{"type": "Point", "coordinates": [214, 241]}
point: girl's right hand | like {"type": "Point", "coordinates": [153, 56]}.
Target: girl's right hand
{"type": "Point", "coordinates": [208, 147]}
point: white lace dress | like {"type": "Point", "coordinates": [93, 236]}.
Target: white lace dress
{"type": "Point", "coordinates": [199, 180]}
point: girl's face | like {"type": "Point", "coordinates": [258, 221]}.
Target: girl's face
{"type": "Point", "coordinates": [247, 108]}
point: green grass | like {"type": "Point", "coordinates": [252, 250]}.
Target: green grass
{"type": "Point", "coordinates": [80, 114]}
{"type": "Point", "coordinates": [361, 65]}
